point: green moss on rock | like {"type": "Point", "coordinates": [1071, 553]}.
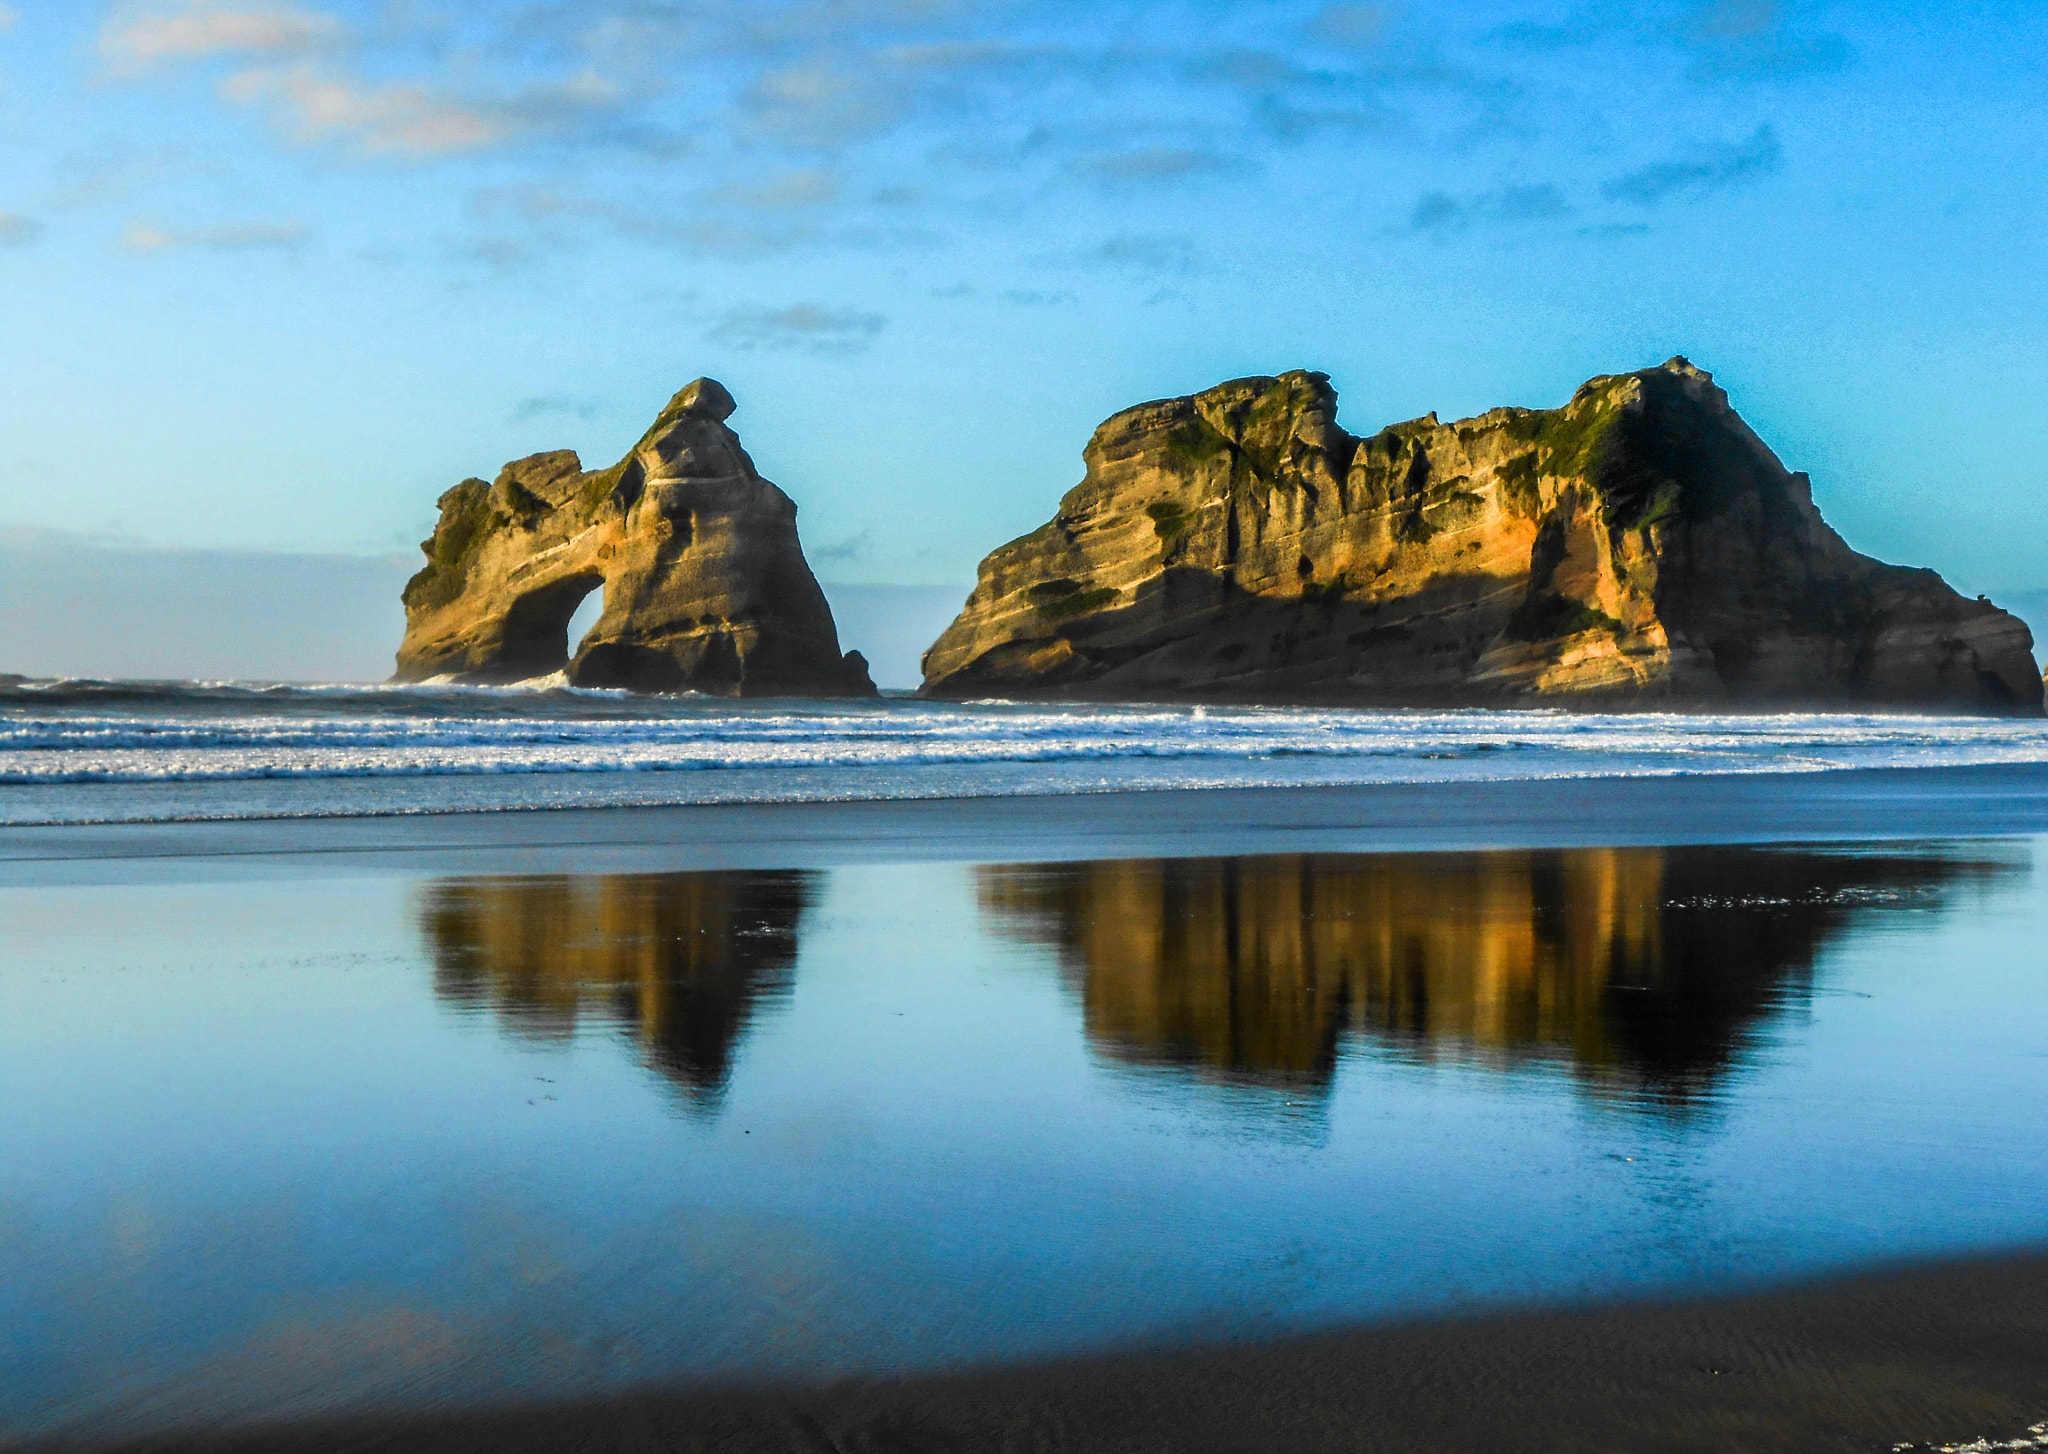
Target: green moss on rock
{"type": "Point", "coordinates": [1551, 617]}
{"type": "Point", "coordinates": [466, 522]}
{"type": "Point", "coordinates": [1077, 602]}
{"type": "Point", "coordinates": [1193, 445]}
{"type": "Point", "coordinates": [1415, 528]}
{"type": "Point", "coordinates": [1170, 520]}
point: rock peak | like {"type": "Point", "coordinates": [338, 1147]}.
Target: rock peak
{"type": "Point", "coordinates": [703, 396]}
{"type": "Point", "coordinates": [1678, 363]}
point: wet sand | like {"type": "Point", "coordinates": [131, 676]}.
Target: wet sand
{"type": "Point", "coordinates": [1935, 1355]}
{"type": "Point", "coordinates": [1866, 804]}
{"type": "Point", "coordinates": [1928, 1356]}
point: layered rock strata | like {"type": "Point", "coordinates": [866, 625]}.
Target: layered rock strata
{"type": "Point", "coordinates": [1640, 546]}
{"type": "Point", "coordinates": [705, 584]}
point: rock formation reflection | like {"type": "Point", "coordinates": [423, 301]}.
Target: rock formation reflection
{"type": "Point", "coordinates": [681, 961]}
{"type": "Point", "coordinates": [1645, 969]}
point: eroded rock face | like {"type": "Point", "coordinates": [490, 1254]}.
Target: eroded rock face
{"type": "Point", "coordinates": [705, 586]}
{"type": "Point", "coordinates": [1640, 546]}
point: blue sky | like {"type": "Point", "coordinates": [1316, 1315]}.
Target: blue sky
{"type": "Point", "coordinates": [273, 275]}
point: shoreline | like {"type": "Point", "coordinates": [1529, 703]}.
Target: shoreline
{"type": "Point", "coordinates": [1917, 1357]}
{"type": "Point", "coordinates": [1844, 805]}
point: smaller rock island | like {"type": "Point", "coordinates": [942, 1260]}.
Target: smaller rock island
{"type": "Point", "coordinates": [705, 584]}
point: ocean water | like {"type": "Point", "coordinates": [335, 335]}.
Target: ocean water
{"type": "Point", "coordinates": [331, 1143]}
{"type": "Point", "coordinates": [73, 751]}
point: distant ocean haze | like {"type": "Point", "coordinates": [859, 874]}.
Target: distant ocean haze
{"type": "Point", "coordinates": [76, 607]}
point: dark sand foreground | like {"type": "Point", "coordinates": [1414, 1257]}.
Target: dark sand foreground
{"type": "Point", "coordinates": [1925, 1357]}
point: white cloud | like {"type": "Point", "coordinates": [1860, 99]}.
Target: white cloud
{"type": "Point", "coordinates": [780, 192]}
{"type": "Point", "coordinates": [411, 119]}
{"type": "Point", "coordinates": [135, 39]}
{"type": "Point", "coordinates": [16, 229]}
{"type": "Point", "coordinates": [821, 103]}
{"type": "Point", "coordinates": [7, 18]}
{"type": "Point", "coordinates": [807, 327]}
{"type": "Point", "coordinates": [146, 237]}
{"type": "Point", "coordinates": [393, 117]}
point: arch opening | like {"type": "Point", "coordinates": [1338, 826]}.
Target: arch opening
{"type": "Point", "coordinates": [583, 618]}
{"type": "Point", "coordinates": [536, 631]}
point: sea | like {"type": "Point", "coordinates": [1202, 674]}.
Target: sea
{"type": "Point", "coordinates": [76, 751]}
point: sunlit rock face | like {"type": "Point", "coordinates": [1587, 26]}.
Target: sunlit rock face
{"type": "Point", "coordinates": [1640, 546]}
{"type": "Point", "coordinates": [1643, 970]}
{"type": "Point", "coordinates": [705, 585]}
{"type": "Point", "coordinates": [679, 962]}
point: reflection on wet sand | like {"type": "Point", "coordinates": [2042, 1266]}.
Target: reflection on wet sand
{"type": "Point", "coordinates": [681, 961]}
{"type": "Point", "coordinates": [1645, 969]}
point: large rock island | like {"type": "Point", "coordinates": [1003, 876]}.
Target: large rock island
{"type": "Point", "coordinates": [705, 586]}
{"type": "Point", "coordinates": [1639, 547]}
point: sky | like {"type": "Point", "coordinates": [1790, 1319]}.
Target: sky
{"type": "Point", "coordinates": [274, 275]}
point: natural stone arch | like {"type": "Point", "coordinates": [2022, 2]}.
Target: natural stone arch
{"type": "Point", "coordinates": [705, 583]}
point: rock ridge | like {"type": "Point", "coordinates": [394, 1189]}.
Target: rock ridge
{"type": "Point", "coordinates": [705, 584]}
{"type": "Point", "coordinates": [1640, 546]}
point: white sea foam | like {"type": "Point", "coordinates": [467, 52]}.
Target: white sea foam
{"type": "Point", "coordinates": [104, 735]}
{"type": "Point", "coordinates": [2037, 1439]}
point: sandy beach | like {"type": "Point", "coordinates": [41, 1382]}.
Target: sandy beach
{"type": "Point", "coordinates": [1920, 1357]}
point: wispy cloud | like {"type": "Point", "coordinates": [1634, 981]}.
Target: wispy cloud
{"type": "Point", "coordinates": [1756, 40]}
{"type": "Point", "coordinates": [1145, 252]}
{"type": "Point", "coordinates": [1691, 178]}
{"type": "Point", "coordinates": [809, 124]}
{"type": "Point", "coordinates": [7, 18]}
{"type": "Point", "coordinates": [305, 67]}
{"type": "Point", "coordinates": [137, 38]}
{"type": "Point", "coordinates": [1157, 164]}
{"type": "Point", "coordinates": [845, 552]}
{"type": "Point", "coordinates": [1350, 23]}
{"type": "Point", "coordinates": [1727, 40]}
{"type": "Point", "coordinates": [405, 118]}
{"type": "Point", "coordinates": [16, 229]}
{"type": "Point", "coordinates": [780, 191]}
{"type": "Point", "coordinates": [543, 406]}
{"type": "Point", "coordinates": [821, 102]}
{"type": "Point", "coordinates": [387, 118]}
{"type": "Point", "coordinates": [804, 327]}
{"type": "Point", "coordinates": [147, 237]}
{"type": "Point", "coordinates": [1440, 213]}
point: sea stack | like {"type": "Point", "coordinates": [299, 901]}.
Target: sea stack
{"type": "Point", "coordinates": [1639, 547]}
{"type": "Point", "coordinates": [705, 585]}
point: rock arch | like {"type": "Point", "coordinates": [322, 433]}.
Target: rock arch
{"type": "Point", "coordinates": [705, 583]}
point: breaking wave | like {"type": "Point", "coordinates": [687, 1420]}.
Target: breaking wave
{"type": "Point", "coordinates": [92, 734]}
